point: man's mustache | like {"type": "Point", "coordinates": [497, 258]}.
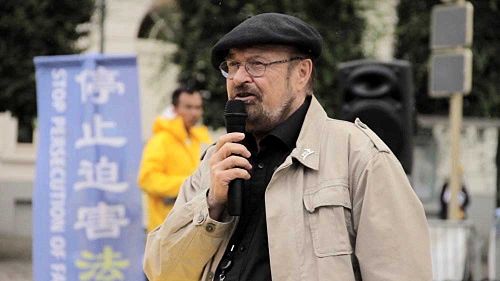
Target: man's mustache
{"type": "Point", "coordinates": [244, 90]}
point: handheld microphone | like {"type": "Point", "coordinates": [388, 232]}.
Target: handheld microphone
{"type": "Point", "coordinates": [235, 115]}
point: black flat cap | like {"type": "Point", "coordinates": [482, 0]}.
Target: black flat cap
{"type": "Point", "coordinates": [269, 28]}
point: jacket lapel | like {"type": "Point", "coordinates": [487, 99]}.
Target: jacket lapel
{"type": "Point", "coordinates": [308, 151]}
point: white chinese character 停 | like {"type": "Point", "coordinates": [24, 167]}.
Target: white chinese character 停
{"type": "Point", "coordinates": [102, 221]}
{"type": "Point", "coordinates": [103, 175]}
{"type": "Point", "coordinates": [96, 136]}
{"type": "Point", "coordinates": [97, 85]}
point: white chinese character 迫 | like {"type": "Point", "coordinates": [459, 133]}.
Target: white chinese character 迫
{"type": "Point", "coordinates": [96, 136]}
{"type": "Point", "coordinates": [103, 176]}
{"type": "Point", "coordinates": [102, 221]}
{"type": "Point", "coordinates": [98, 85]}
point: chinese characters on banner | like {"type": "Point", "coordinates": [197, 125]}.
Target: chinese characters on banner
{"type": "Point", "coordinates": [87, 208]}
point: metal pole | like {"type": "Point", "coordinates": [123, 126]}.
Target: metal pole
{"type": "Point", "coordinates": [102, 11]}
{"type": "Point", "coordinates": [455, 186]}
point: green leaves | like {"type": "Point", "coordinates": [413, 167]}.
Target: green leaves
{"type": "Point", "coordinates": [32, 28]}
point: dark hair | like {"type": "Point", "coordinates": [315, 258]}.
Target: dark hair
{"type": "Point", "coordinates": [177, 93]}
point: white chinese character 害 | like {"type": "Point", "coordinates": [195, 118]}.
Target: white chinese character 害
{"type": "Point", "coordinates": [102, 221]}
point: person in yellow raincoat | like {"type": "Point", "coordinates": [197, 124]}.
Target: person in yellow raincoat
{"type": "Point", "coordinates": [171, 154]}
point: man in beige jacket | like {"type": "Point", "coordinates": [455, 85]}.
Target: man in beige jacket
{"type": "Point", "coordinates": [323, 199]}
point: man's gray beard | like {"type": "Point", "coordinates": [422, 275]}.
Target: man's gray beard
{"type": "Point", "coordinates": [261, 122]}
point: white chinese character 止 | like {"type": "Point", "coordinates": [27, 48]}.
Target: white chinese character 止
{"type": "Point", "coordinates": [98, 85]}
{"type": "Point", "coordinates": [96, 136]}
{"type": "Point", "coordinates": [102, 221]}
{"type": "Point", "coordinates": [103, 176]}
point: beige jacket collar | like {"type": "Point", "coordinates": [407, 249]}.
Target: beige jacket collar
{"type": "Point", "coordinates": [307, 151]}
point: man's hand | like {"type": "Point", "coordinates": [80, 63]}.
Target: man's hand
{"type": "Point", "coordinates": [229, 162]}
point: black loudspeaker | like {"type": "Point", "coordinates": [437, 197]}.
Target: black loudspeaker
{"type": "Point", "coordinates": [381, 95]}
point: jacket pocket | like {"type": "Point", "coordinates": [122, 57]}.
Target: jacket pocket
{"type": "Point", "coordinates": [326, 207]}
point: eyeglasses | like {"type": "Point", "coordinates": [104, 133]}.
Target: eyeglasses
{"type": "Point", "coordinates": [254, 68]}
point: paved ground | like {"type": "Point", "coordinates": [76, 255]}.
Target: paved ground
{"type": "Point", "coordinates": [15, 259]}
{"type": "Point", "coordinates": [15, 270]}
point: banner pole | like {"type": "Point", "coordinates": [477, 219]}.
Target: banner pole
{"type": "Point", "coordinates": [102, 10]}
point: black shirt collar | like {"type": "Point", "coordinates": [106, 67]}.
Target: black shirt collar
{"type": "Point", "coordinates": [288, 131]}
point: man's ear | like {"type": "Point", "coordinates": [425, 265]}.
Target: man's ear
{"type": "Point", "coordinates": [304, 69]}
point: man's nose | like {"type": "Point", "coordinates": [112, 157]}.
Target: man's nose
{"type": "Point", "coordinates": [196, 112]}
{"type": "Point", "coordinates": [241, 75]}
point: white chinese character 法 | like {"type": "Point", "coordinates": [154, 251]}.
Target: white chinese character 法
{"type": "Point", "coordinates": [97, 85]}
{"type": "Point", "coordinates": [105, 266]}
{"type": "Point", "coordinates": [103, 175]}
{"type": "Point", "coordinates": [96, 136]}
{"type": "Point", "coordinates": [102, 221]}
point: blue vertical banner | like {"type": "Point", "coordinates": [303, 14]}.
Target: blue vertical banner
{"type": "Point", "coordinates": [87, 209]}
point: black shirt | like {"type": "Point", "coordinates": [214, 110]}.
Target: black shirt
{"type": "Point", "coordinates": [247, 254]}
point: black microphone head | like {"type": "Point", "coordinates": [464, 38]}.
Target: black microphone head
{"type": "Point", "coordinates": [235, 106]}
{"type": "Point", "coordinates": [235, 115]}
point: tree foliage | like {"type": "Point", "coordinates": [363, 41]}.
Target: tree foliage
{"type": "Point", "coordinates": [32, 28]}
{"type": "Point", "coordinates": [201, 25]}
{"type": "Point", "coordinates": [413, 44]}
